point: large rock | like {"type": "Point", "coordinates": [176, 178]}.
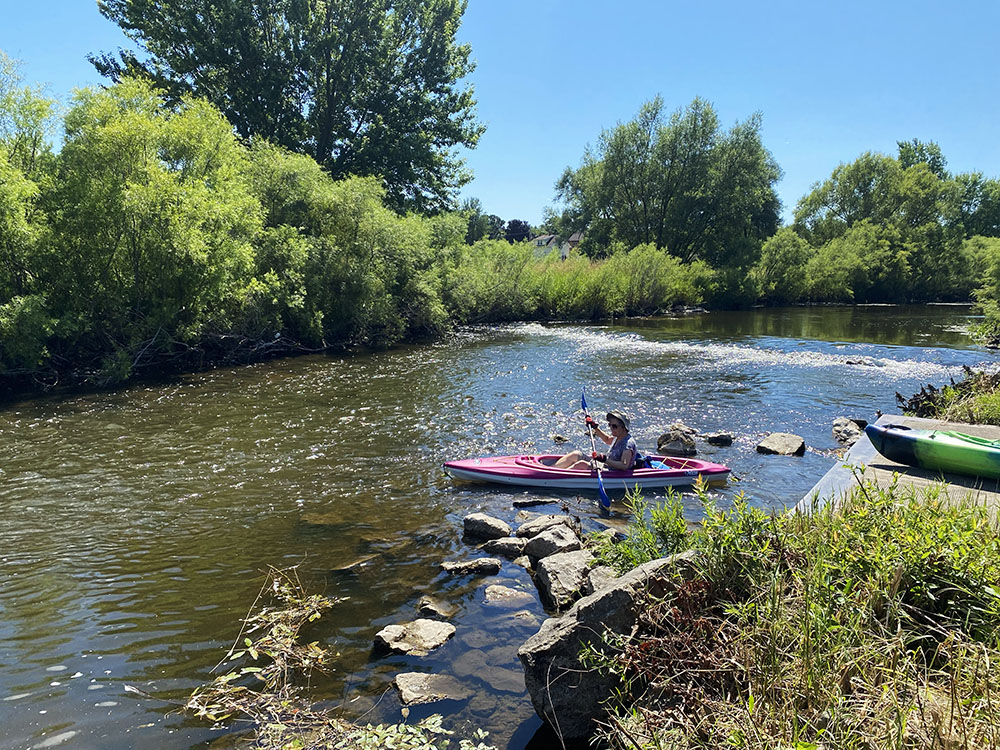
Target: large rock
{"type": "Point", "coordinates": [484, 566]}
{"type": "Point", "coordinates": [416, 688]}
{"type": "Point", "coordinates": [418, 638]}
{"type": "Point", "coordinates": [508, 546]}
{"type": "Point", "coordinates": [847, 431]}
{"type": "Point", "coordinates": [599, 578]}
{"type": "Point", "coordinates": [678, 440]}
{"type": "Point", "coordinates": [557, 539]}
{"type": "Point", "coordinates": [538, 524]}
{"type": "Point", "coordinates": [561, 577]}
{"type": "Point", "coordinates": [482, 526]}
{"type": "Point", "coordinates": [782, 444]}
{"type": "Point", "coordinates": [564, 692]}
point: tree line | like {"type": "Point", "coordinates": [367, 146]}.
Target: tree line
{"type": "Point", "coordinates": [192, 218]}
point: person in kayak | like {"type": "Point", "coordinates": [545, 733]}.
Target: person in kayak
{"type": "Point", "coordinates": [621, 455]}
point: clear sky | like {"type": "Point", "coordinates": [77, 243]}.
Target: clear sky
{"type": "Point", "coordinates": [832, 80]}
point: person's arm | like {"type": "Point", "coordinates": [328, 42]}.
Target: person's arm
{"type": "Point", "coordinates": [599, 433]}
{"type": "Point", "coordinates": [623, 464]}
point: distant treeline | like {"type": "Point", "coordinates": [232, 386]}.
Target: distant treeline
{"type": "Point", "coordinates": [156, 239]}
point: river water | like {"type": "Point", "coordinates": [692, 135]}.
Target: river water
{"type": "Point", "coordinates": [136, 524]}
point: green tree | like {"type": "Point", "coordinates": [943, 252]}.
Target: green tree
{"type": "Point", "coordinates": [679, 183]}
{"type": "Point", "coordinates": [780, 274]}
{"type": "Point", "coordinates": [364, 88]}
{"type": "Point", "coordinates": [26, 121]}
{"type": "Point", "coordinates": [917, 152]}
{"type": "Point", "coordinates": [152, 219]}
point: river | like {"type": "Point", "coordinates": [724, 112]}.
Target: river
{"type": "Point", "coordinates": [136, 524]}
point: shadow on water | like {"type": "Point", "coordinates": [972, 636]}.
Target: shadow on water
{"type": "Point", "coordinates": [137, 524]}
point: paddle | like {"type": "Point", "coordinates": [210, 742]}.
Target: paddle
{"type": "Point", "coordinates": [605, 500]}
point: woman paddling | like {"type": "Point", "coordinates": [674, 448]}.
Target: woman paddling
{"type": "Point", "coordinates": [621, 455]}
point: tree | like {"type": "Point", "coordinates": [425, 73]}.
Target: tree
{"type": "Point", "coordinates": [917, 152]}
{"type": "Point", "coordinates": [152, 220]}
{"type": "Point", "coordinates": [679, 183]}
{"type": "Point", "coordinates": [517, 231]}
{"type": "Point", "coordinates": [365, 88]}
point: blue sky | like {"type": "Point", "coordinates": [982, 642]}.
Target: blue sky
{"type": "Point", "coordinates": [830, 80]}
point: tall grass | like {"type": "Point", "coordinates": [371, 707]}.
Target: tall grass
{"type": "Point", "coordinates": [875, 625]}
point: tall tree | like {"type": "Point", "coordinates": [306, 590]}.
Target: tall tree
{"type": "Point", "coordinates": [366, 88]}
{"type": "Point", "coordinates": [677, 182]}
{"type": "Point", "coordinates": [517, 230]}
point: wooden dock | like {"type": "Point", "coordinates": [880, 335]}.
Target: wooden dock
{"type": "Point", "coordinates": [863, 455]}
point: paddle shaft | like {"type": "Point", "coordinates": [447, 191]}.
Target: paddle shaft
{"type": "Point", "coordinates": [605, 500]}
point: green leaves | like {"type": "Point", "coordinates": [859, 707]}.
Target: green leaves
{"type": "Point", "coordinates": [364, 88]}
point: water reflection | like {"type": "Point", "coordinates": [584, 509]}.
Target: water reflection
{"type": "Point", "coordinates": [137, 525]}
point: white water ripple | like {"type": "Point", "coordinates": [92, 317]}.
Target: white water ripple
{"type": "Point", "coordinates": [707, 356]}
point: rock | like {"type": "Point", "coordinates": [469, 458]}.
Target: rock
{"type": "Point", "coordinates": [510, 546]}
{"type": "Point", "coordinates": [477, 639]}
{"type": "Point", "coordinates": [599, 578]}
{"type": "Point", "coordinates": [503, 679]}
{"type": "Point", "coordinates": [558, 538]}
{"type": "Point", "coordinates": [564, 692]}
{"type": "Point", "coordinates": [538, 524]}
{"type": "Point", "coordinates": [782, 444]}
{"type": "Point", "coordinates": [678, 440]}
{"type": "Point", "coordinates": [472, 663]}
{"type": "Point", "coordinates": [559, 439]}
{"type": "Point", "coordinates": [486, 566]}
{"type": "Point", "coordinates": [524, 618]}
{"type": "Point", "coordinates": [428, 606]}
{"type": "Point", "coordinates": [416, 688]}
{"type": "Point", "coordinates": [530, 502]}
{"type": "Point", "coordinates": [719, 438]}
{"type": "Point", "coordinates": [846, 431]}
{"type": "Point", "coordinates": [561, 577]}
{"type": "Point", "coordinates": [524, 561]}
{"type": "Point", "coordinates": [418, 638]}
{"type": "Point", "coordinates": [504, 596]}
{"type": "Point", "coordinates": [523, 516]}
{"type": "Point", "coordinates": [482, 526]}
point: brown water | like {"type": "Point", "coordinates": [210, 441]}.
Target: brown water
{"type": "Point", "coordinates": [136, 525]}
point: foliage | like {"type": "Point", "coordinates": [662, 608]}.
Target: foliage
{"type": "Point", "coordinates": [679, 183]}
{"type": "Point", "coordinates": [152, 225]}
{"type": "Point", "coordinates": [652, 533]}
{"type": "Point", "coordinates": [780, 274]}
{"type": "Point", "coordinates": [26, 121]}
{"type": "Point", "coordinates": [975, 399]}
{"type": "Point", "coordinates": [870, 623]}
{"type": "Point", "coordinates": [364, 88]}
{"type": "Point", "coordinates": [261, 686]}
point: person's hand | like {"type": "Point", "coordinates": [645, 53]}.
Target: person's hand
{"type": "Point", "coordinates": [591, 422]}
{"type": "Point", "coordinates": [602, 457]}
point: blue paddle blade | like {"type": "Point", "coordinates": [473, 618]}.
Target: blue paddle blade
{"type": "Point", "coordinates": [583, 400]}
{"type": "Point", "coordinates": [605, 500]}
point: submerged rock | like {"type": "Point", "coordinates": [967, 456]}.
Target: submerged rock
{"type": "Point", "coordinates": [485, 566]}
{"type": "Point", "coordinates": [782, 444]}
{"type": "Point", "coordinates": [428, 606]}
{"type": "Point", "coordinates": [416, 688]}
{"type": "Point", "coordinates": [418, 638]}
{"type": "Point", "coordinates": [482, 526]}
{"type": "Point", "coordinates": [504, 596]}
{"type": "Point", "coordinates": [719, 438]}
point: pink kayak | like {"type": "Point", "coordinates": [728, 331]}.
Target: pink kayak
{"type": "Point", "coordinates": [537, 471]}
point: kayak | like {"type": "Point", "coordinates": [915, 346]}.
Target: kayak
{"type": "Point", "coordinates": [937, 450]}
{"type": "Point", "coordinates": [537, 471]}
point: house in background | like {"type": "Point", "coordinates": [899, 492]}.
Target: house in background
{"type": "Point", "coordinates": [544, 243]}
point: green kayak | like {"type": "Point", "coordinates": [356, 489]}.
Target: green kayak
{"type": "Point", "coordinates": [937, 450]}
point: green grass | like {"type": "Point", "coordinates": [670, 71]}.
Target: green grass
{"type": "Point", "coordinates": [875, 626]}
